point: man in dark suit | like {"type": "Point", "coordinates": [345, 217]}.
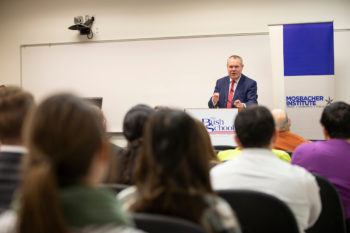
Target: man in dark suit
{"type": "Point", "coordinates": [14, 106]}
{"type": "Point", "coordinates": [235, 90]}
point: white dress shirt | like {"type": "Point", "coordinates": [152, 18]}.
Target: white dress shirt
{"type": "Point", "coordinates": [234, 85]}
{"type": "Point", "coordinates": [260, 170]}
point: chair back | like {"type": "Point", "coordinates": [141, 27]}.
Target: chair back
{"type": "Point", "coordinates": [259, 212]}
{"type": "Point", "coordinates": [332, 217]}
{"type": "Point", "coordinates": [154, 223]}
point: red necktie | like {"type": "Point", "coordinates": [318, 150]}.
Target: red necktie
{"type": "Point", "coordinates": [230, 95]}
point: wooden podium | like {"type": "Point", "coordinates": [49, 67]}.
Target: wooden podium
{"type": "Point", "coordinates": [219, 123]}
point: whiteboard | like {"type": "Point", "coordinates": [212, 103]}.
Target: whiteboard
{"type": "Point", "coordinates": [174, 72]}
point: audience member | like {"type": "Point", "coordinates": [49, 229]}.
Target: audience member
{"type": "Point", "coordinates": [66, 160]}
{"type": "Point", "coordinates": [133, 125]}
{"type": "Point", "coordinates": [258, 169]}
{"type": "Point", "coordinates": [172, 175]}
{"type": "Point", "coordinates": [14, 105]}
{"type": "Point", "coordinates": [209, 150]}
{"type": "Point", "coordinates": [285, 140]}
{"type": "Point", "coordinates": [331, 158]}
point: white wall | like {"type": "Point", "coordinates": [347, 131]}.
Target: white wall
{"type": "Point", "coordinates": [44, 21]}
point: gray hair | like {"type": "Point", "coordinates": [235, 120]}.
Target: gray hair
{"type": "Point", "coordinates": [236, 57]}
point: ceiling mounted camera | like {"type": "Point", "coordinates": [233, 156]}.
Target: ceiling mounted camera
{"type": "Point", "coordinates": [83, 26]}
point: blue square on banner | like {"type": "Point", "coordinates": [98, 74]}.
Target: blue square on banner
{"type": "Point", "coordinates": [308, 49]}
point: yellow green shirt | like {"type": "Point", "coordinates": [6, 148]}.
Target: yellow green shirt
{"type": "Point", "coordinates": [233, 153]}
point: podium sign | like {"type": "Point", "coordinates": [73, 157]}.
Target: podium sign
{"type": "Point", "coordinates": [218, 122]}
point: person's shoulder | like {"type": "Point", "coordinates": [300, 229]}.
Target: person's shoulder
{"type": "Point", "coordinates": [281, 154]}
{"type": "Point", "coordinates": [247, 79]}
{"type": "Point", "coordinates": [222, 171]}
{"type": "Point", "coordinates": [301, 174]}
{"type": "Point", "coordinates": [226, 165]}
{"type": "Point", "coordinates": [304, 153]}
{"type": "Point", "coordinates": [295, 136]}
{"type": "Point", "coordinates": [228, 154]}
{"type": "Point", "coordinates": [306, 148]}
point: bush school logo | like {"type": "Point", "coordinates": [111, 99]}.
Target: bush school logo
{"type": "Point", "coordinates": [218, 126]}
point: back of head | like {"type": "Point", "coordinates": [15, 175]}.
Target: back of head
{"type": "Point", "coordinates": [63, 135]}
{"type": "Point", "coordinates": [133, 125]}
{"type": "Point", "coordinates": [336, 120]}
{"type": "Point", "coordinates": [255, 127]}
{"type": "Point", "coordinates": [135, 120]}
{"type": "Point", "coordinates": [281, 119]}
{"type": "Point", "coordinates": [14, 106]}
{"type": "Point", "coordinates": [66, 133]}
{"type": "Point", "coordinates": [172, 148]}
{"type": "Point", "coordinates": [172, 170]}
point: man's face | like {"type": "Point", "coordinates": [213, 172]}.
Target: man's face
{"type": "Point", "coordinates": [234, 68]}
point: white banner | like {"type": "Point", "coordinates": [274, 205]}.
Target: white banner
{"type": "Point", "coordinates": [303, 73]}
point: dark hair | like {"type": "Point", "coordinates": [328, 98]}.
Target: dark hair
{"type": "Point", "coordinates": [255, 126]}
{"type": "Point", "coordinates": [172, 173]}
{"type": "Point", "coordinates": [205, 139]}
{"type": "Point", "coordinates": [63, 135]}
{"type": "Point", "coordinates": [14, 106]}
{"type": "Point", "coordinates": [336, 120]}
{"type": "Point", "coordinates": [133, 125]}
{"type": "Point", "coordinates": [134, 121]}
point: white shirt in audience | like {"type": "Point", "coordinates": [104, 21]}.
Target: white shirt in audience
{"type": "Point", "coordinates": [260, 170]}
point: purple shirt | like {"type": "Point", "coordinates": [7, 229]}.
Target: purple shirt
{"type": "Point", "coordinates": [330, 159]}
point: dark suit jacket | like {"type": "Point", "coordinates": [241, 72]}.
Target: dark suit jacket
{"type": "Point", "coordinates": [10, 163]}
{"type": "Point", "coordinates": [246, 91]}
